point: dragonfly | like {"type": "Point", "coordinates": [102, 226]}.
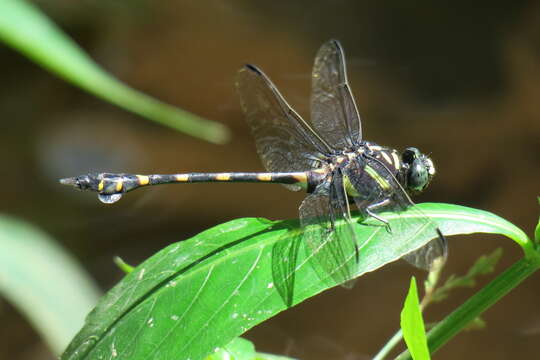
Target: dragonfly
{"type": "Point", "coordinates": [327, 158]}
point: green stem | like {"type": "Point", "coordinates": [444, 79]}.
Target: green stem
{"type": "Point", "coordinates": [394, 340]}
{"type": "Point", "coordinates": [478, 303]}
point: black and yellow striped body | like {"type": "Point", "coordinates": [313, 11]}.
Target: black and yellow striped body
{"type": "Point", "coordinates": [370, 160]}
{"type": "Point", "coordinates": [327, 157]}
{"type": "Point", "coordinates": [128, 182]}
{"type": "Point", "coordinates": [369, 173]}
{"type": "Point", "coordinates": [110, 187]}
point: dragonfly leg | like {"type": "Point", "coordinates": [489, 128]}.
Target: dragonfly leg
{"type": "Point", "coordinates": [370, 211]}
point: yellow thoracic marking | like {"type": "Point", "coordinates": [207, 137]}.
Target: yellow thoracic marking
{"type": "Point", "coordinates": [300, 177]}
{"type": "Point", "coordinates": [397, 162]}
{"type": "Point", "coordinates": [223, 177]}
{"type": "Point", "coordinates": [374, 147]}
{"type": "Point", "coordinates": [349, 188]}
{"type": "Point", "coordinates": [182, 177]}
{"type": "Point", "coordinates": [383, 183]}
{"type": "Point", "coordinates": [101, 185]}
{"type": "Point", "coordinates": [119, 184]}
{"type": "Point", "coordinates": [386, 157]}
{"type": "Point", "coordinates": [264, 177]}
{"type": "Point", "coordinates": [143, 180]}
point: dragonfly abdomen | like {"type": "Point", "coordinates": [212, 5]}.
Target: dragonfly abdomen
{"type": "Point", "coordinates": [110, 187]}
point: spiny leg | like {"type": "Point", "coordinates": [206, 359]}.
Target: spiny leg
{"type": "Point", "coordinates": [375, 206]}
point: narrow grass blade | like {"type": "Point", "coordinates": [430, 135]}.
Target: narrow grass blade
{"type": "Point", "coordinates": [25, 28]}
{"type": "Point", "coordinates": [43, 282]}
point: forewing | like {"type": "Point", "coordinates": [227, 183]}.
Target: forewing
{"type": "Point", "coordinates": [333, 110]}
{"type": "Point", "coordinates": [329, 233]}
{"type": "Point", "coordinates": [285, 142]}
{"type": "Point", "coordinates": [405, 228]}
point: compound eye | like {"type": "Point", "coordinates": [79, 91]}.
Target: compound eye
{"type": "Point", "coordinates": [429, 165]}
{"type": "Point", "coordinates": [418, 176]}
{"type": "Point", "coordinates": [410, 154]}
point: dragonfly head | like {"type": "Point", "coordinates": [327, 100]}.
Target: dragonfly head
{"type": "Point", "coordinates": [419, 169]}
{"type": "Point", "coordinates": [82, 182]}
{"type": "Point", "coordinates": [108, 186]}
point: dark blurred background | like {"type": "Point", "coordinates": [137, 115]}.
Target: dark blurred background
{"type": "Point", "coordinates": [459, 80]}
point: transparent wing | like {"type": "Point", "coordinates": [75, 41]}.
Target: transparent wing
{"type": "Point", "coordinates": [329, 233]}
{"type": "Point", "coordinates": [424, 257]}
{"type": "Point", "coordinates": [285, 142]}
{"type": "Point", "coordinates": [397, 200]}
{"type": "Point", "coordinates": [333, 111]}
{"type": "Point", "coordinates": [284, 262]}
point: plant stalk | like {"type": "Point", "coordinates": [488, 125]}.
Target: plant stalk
{"type": "Point", "coordinates": [394, 340]}
{"type": "Point", "coordinates": [478, 303]}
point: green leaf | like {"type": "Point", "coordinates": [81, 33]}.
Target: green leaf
{"type": "Point", "coordinates": [412, 325]}
{"type": "Point", "coordinates": [242, 349]}
{"type": "Point", "coordinates": [26, 29]}
{"type": "Point", "coordinates": [455, 219]}
{"type": "Point", "coordinates": [237, 349]}
{"type": "Point", "coordinates": [43, 282]}
{"type": "Point", "coordinates": [537, 230]}
{"type": "Point", "coordinates": [199, 294]}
